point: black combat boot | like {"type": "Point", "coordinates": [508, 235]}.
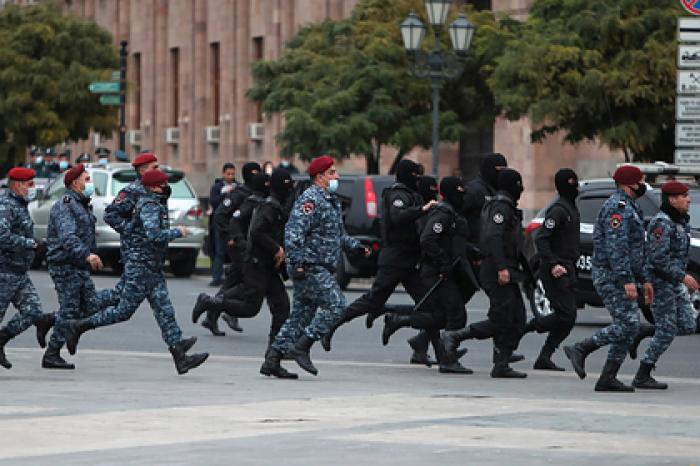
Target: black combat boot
{"type": "Point", "coordinates": [200, 306]}
{"type": "Point", "coordinates": [5, 336]}
{"type": "Point", "coordinates": [577, 355]}
{"type": "Point", "coordinates": [232, 322]}
{"type": "Point", "coordinates": [608, 381]}
{"type": "Point", "coordinates": [43, 324]}
{"type": "Point", "coordinates": [52, 360]}
{"type": "Point", "coordinates": [326, 339]}
{"type": "Point", "coordinates": [211, 322]}
{"type": "Point", "coordinates": [419, 345]}
{"type": "Point", "coordinates": [393, 322]}
{"type": "Point", "coordinates": [645, 330]}
{"type": "Point", "coordinates": [183, 361]}
{"type": "Point", "coordinates": [301, 354]}
{"type": "Point", "coordinates": [272, 366]}
{"type": "Point", "coordinates": [73, 330]}
{"type": "Point", "coordinates": [643, 379]}
{"type": "Point", "coordinates": [188, 343]}
{"type": "Point", "coordinates": [371, 317]}
{"type": "Point", "coordinates": [515, 357]}
{"type": "Point", "coordinates": [452, 338]}
{"type": "Point", "coordinates": [501, 369]}
{"type": "Point", "coordinates": [544, 361]}
{"type": "Point", "coordinates": [447, 365]}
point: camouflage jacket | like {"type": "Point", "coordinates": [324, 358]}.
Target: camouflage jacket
{"type": "Point", "coordinates": [16, 234]}
{"type": "Point", "coordinates": [71, 232]}
{"type": "Point", "coordinates": [669, 243]}
{"type": "Point", "coordinates": [120, 212]}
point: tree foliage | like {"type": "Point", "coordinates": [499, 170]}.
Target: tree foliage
{"type": "Point", "coordinates": [344, 87]}
{"type": "Point", "coordinates": [596, 69]}
{"type": "Point", "coordinates": [47, 60]}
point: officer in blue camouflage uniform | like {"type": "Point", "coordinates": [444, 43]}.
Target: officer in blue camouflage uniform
{"type": "Point", "coordinates": [17, 247]}
{"type": "Point", "coordinates": [146, 241]}
{"type": "Point", "coordinates": [618, 271]}
{"type": "Point", "coordinates": [313, 238]}
{"type": "Point", "coordinates": [71, 255]}
{"type": "Point", "coordinates": [669, 240]}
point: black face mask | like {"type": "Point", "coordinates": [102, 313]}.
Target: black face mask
{"type": "Point", "coordinates": [249, 170]}
{"type": "Point", "coordinates": [639, 190]}
{"type": "Point", "coordinates": [407, 173]}
{"type": "Point", "coordinates": [280, 184]}
{"type": "Point", "coordinates": [511, 182]}
{"type": "Point", "coordinates": [452, 190]}
{"type": "Point", "coordinates": [489, 168]}
{"type": "Point", "coordinates": [428, 188]}
{"type": "Point", "coordinates": [167, 191]}
{"type": "Point", "coordinates": [566, 182]}
{"type": "Point", "coordinates": [260, 184]}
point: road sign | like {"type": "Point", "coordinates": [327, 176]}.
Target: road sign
{"type": "Point", "coordinates": [687, 135]}
{"type": "Point", "coordinates": [116, 75]}
{"type": "Point", "coordinates": [688, 29]}
{"type": "Point", "coordinates": [691, 6]}
{"type": "Point", "coordinates": [687, 157]}
{"type": "Point", "coordinates": [687, 108]}
{"type": "Point", "coordinates": [688, 82]}
{"type": "Point", "coordinates": [110, 99]}
{"type": "Point", "coordinates": [109, 87]}
{"type": "Point", "coordinates": [688, 56]}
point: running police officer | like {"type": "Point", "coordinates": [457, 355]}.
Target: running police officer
{"type": "Point", "coordinates": [557, 243]}
{"type": "Point", "coordinates": [313, 238]}
{"type": "Point", "coordinates": [502, 269]}
{"type": "Point", "coordinates": [17, 247]}
{"type": "Point", "coordinates": [146, 245]}
{"type": "Point", "coordinates": [618, 271]}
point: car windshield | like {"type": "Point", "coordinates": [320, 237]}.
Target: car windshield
{"type": "Point", "coordinates": [181, 189]}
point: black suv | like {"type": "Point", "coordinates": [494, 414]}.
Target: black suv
{"type": "Point", "coordinates": [593, 194]}
{"type": "Point", "coordinates": [361, 200]}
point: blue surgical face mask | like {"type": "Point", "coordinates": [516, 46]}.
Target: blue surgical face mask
{"type": "Point", "coordinates": [63, 164]}
{"type": "Point", "coordinates": [31, 194]}
{"type": "Point", "coordinates": [103, 162]}
{"type": "Point", "coordinates": [89, 189]}
{"type": "Point", "coordinates": [332, 185]}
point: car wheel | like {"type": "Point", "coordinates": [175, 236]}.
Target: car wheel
{"type": "Point", "coordinates": [185, 264]}
{"type": "Point", "coordinates": [341, 275]}
{"type": "Point", "coordinates": [539, 303]}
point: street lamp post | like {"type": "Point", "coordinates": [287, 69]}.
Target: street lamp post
{"type": "Point", "coordinates": [438, 65]}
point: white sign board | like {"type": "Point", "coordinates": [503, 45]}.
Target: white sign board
{"type": "Point", "coordinates": [688, 56]}
{"type": "Point", "coordinates": [687, 108]}
{"type": "Point", "coordinates": [688, 82]}
{"type": "Point", "coordinates": [689, 29]}
{"type": "Point", "coordinates": [687, 135]}
{"type": "Point", "coordinates": [687, 157]}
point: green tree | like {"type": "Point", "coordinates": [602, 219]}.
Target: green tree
{"type": "Point", "coordinates": [344, 87]}
{"type": "Point", "coordinates": [595, 69]}
{"type": "Point", "coordinates": [47, 60]}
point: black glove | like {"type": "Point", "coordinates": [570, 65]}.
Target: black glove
{"type": "Point", "coordinates": [283, 271]}
{"type": "Point", "coordinates": [298, 273]}
{"type": "Point", "coordinates": [41, 248]}
{"type": "Point", "coordinates": [445, 270]}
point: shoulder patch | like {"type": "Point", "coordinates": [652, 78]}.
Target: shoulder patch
{"type": "Point", "coordinates": [621, 204]}
{"type": "Point", "coordinates": [398, 203]}
{"type": "Point", "coordinates": [237, 213]}
{"type": "Point", "coordinates": [120, 197]}
{"type": "Point", "coordinates": [498, 218]}
{"type": "Point", "coordinates": [66, 199]}
{"type": "Point", "coordinates": [615, 220]}
{"type": "Point", "coordinates": [658, 233]}
{"type": "Point", "coordinates": [437, 227]}
{"type": "Point", "coordinates": [308, 207]}
{"type": "Point", "coordinates": [550, 223]}
{"type": "Point", "coordinates": [227, 202]}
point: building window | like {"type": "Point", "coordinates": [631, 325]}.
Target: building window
{"type": "Point", "coordinates": [216, 82]}
{"type": "Point", "coordinates": [258, 54]}
{"type": "Point", "coordinates": [137, 90]}
{"type": "Point", "coordinates": [175, 86]}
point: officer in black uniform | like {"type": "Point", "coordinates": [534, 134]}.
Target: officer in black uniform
{"type": "Point", "coordinates": [402, 206]}
{"type": "Point", "coordinates": [440, 258]}
{"type": "Point", "coordinates": [428, 188]}
{"type": "Point", "coordinates": [502, 269]}
{"type": "Point", "coordinates": [557, 242]}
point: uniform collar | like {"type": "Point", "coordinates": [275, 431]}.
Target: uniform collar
{"type": "Point", "coordinates": [22, 200]}
{"type": "Point", "coordinates": [323, 192]}
{"type": "Point", "coordinates": [78, 197]}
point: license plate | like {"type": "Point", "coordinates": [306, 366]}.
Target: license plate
{"type": "Point", "coordinates": [584, 263]}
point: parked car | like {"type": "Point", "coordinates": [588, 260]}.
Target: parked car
{"type": "Point", "coordinates": [183, 206]}
{"type": "Point", "coordinates": [361, 201]}
{"type": "Point", "coordinates": [593, 194]}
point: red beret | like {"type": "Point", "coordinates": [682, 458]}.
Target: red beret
{"type": "Point", "coordinates": [674, 187]}
{"type": "Point", "coordinates": [628, 174]}
{"type": "Point", "coordinates": [320, 165]}
{"type": "Point", "coordinates": [21, 174]}
{"type": "Point", "coordinates": [73, 174]}
{"type": "Point", "coordinates": [153, 178]}
{"type": "Point", "coordinates": [146, 157]}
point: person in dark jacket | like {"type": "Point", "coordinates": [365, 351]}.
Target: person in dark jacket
{"type": "Point", "coordinates": [219, 189]}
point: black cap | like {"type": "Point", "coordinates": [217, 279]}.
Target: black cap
{"type": "Point", "coordinates": [102, 152]}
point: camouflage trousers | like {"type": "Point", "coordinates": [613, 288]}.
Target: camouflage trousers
{"type": "Point", "coordinates": [19, 290]}
{"type": "Point", "coordinates": [317, 304]}
{"type": "Point", "coordinates": [77, 298]}
{"type": "Point", "coordinates": [673, 315]}
{"type": "Point", "coordinates": [141, 283]}
{"type": "Point", "coordinates": [624, 312]}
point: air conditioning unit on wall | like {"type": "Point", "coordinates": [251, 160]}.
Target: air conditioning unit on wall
{"type": "Point", "coordinates": [134, 137]}
{"type": "Point", "coordinates": [212, 134]}
{"type": "Point", "coordinates": [256, 131]}
{"type": "Point", "coordinates": [172, 135]}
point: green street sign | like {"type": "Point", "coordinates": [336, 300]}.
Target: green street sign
{"type": "Point", "coordinates": [104, 87]}
{"type": "Point", "coordinates": [116, 75]}
{"type": "Point", "coordinates": [110, 99]}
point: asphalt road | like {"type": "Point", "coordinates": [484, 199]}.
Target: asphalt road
{"type": "Point", "coordinates": [125, 404]}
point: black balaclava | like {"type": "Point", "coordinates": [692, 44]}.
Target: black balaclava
{"type": "Point", "coordinates": [566, 182]}
{"type": "Point", "coordinates": [260, 184]}
{"type": "Point", "coordinates": [281, 184]}
{"type": "Point", "coordinates": [249, 170]}
{"type": "Point", "coordinates": [488, 168]}
{"type": "Point", "coordinates": [510, 181]}
{"type": "Point", "coordinates": [428, 188]}
{"type": "Point", "coordinates": [452, 189]}
{"type": "Point", "coordinates": [407, 172]}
